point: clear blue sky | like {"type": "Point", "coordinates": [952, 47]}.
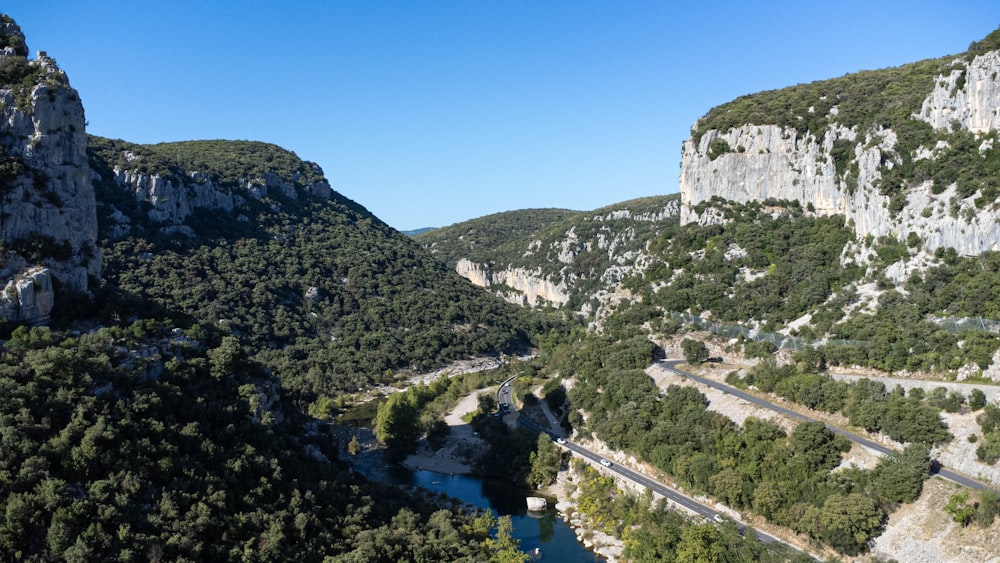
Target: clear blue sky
{"type": "Point", "coordinates": [433, 112]}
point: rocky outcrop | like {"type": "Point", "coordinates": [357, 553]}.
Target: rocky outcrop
{"type": "Point", "coordinates": [968, 96]}
{"type": "Point", "coordinates": [171, 198]}
{"type": "Point", "coordinates": [768, 161]}
{"type": "Point", "coordinates": [28, 297]}
{"type": "Point", "coordinates": [581, 259]}
{"type": "Point", "coordinates": [47, 199]}
{"type": "Point", "coordinates": [522, 287]}
{"type": "Point", "coordinates": [537, 504]}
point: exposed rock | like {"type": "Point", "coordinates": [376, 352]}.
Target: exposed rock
{"type": "Point", "coordinates": [173, 197]}
{"type": "Point", "coordinates": [974, 105]}
{"type": "Point", "coordinates": [42, 135]}
{"type": "Point", "coordinates": [537, 504]}
{"type": "Point", "coordinates": [173, 201]}
{"type": "Point", "coordinates": [28, 297]}
{"type": "Point", "coordinates": [529, 287]}
{"type": "Point", "coordinates": [781, 163]}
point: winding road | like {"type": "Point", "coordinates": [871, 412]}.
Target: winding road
{"type": "Point", "coordinates": [672, 495]}
{"type": "Point", "coordinates": [936, 468]}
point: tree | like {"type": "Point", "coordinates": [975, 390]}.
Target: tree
{"type": "Point", "coordinates": [960, 508]}
{"type": "Point", "coordinates": [728, 486]}
{"type": "Point", "coordinates": [847, 522]}
{"type": "Point", "coordinates": [699, 544]}
{"type": "Point", "coordinates": [695, 351]}
{"type": "Point", "coordinates": [900, 477]}
{"type": "Point", "coordinates": [227, 358]}
{"type": "Point", "coordinates": [545, 462]}
{"type": "Point", "coordinates": [502, 546]}
{"type": "Point", "coordinates": [989, 507]}
{"type": "Point", "coordinates": [977, 399]}
{"type": "Point", "coordinates": [396, 426]}
{"type": "Point", "coordinates": [354, 446]}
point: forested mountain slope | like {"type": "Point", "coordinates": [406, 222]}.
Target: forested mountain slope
{"type": "Point", "coordinates": [554, 257]}
{"type": "Point", "coordinates": [143, 444]}
{"type": "Point", "coordinates": [247, 237]}
{"type": "Point", "coordinates": [152, 422]}
{"type": "Point", "coordinates": [857, 212]}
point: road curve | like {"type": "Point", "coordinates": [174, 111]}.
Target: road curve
{"type": "Point", "coordinates": [936, 468]}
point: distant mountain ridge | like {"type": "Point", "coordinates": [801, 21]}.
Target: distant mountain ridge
{"type": "Point", "coordinates": [415, 232]}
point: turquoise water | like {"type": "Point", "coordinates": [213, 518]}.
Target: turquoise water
{"type": "Point", "coordinates": [546, 531]}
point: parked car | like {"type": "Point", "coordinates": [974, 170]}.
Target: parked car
{"type": "Point", "coordinates": [560, 440]}
{"type": "Point", "coordinates": [605, 462]}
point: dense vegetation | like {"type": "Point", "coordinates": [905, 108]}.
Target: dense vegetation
{"type": "Point", "coordinates": [913, 418]}
{"type": "Point", "coordinates": [868, 99]}
{"type": "Point", "coordinates": [772, 269]}
{"type": "Point", "coordinates": [574, 248]}
{"type": "Point", "coordinates": [321, 291]}
{"type": "Point", "coordinates": [491, 238]}
{"type": "Point", "coordinates": [652, 532]}
{"type": "Point", "coordinates": [786, 477]}
{"type": "Point", "coordinates": [228, 163]}
{"type": "Point", "coordinates": [142, 444]}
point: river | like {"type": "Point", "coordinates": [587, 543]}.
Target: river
{"type": "Point", "coordinates": [546, 531]}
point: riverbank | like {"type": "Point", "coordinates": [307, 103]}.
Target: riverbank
{"type": "Point", "coordinates": [462, 447]}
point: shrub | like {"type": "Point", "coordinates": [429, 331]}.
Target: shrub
{"type": "Point", "coordinates": [695, 351]}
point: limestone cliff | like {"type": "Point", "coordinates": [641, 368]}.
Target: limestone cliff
{"type": "Point", "coordinates": [164, 185]}
{"type": "Point", "coordinates": [523, 287]}
{"type": "Point", "coordinates": [27, 296]}
{"type": "Point", "coordinates": [873, 172]}
{"type": "Point", "coordinates": [47, 206]}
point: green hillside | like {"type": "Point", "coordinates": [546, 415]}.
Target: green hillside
{"type": "Point", "coordinates": [138, 444]}
{"type": "Point", "coordinates": [575, 248]}
{"type": "Point", "coordinates": [321, 290]}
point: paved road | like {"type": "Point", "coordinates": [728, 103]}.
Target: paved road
{"type": "Point", "coordinates": [936, 468]}
{"type": "Point", "coordinates": [505, 396]}
{"type": "Point", "coordinates": [659, 488]}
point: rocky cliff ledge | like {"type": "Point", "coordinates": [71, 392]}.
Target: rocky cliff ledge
{"type": "Point", "coordinates": [522, 287]}
{"type": "Point", "coordinates": [47, 205]}
{"type": "Point", "coordinates": [27, 296]}
{"type": "Point", "coordinates": [168, 189]}
{"type": "Point", "coordinates": [757, 162]}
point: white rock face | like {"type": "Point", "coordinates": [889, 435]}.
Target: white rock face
{"type": "Point", "coordinates": [530, 287]}
{"type": "Point", "coordinates": [537, 504]}
{"type": "Point", "coordinates": [54, 196]}
{"type": "Point", "coordinates": [772, 162]}
{"type": "Point", "coordinates": [173, 199]}
{"type": "Point", "coordinates": [28, 297]}
{"type": "Point", "coordinates": [974, 106]}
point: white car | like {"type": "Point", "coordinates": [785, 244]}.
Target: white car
{"type": "Point", "coordinates": [605, 462]}
{"type": "Point", "coordinates": [560, 440]}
